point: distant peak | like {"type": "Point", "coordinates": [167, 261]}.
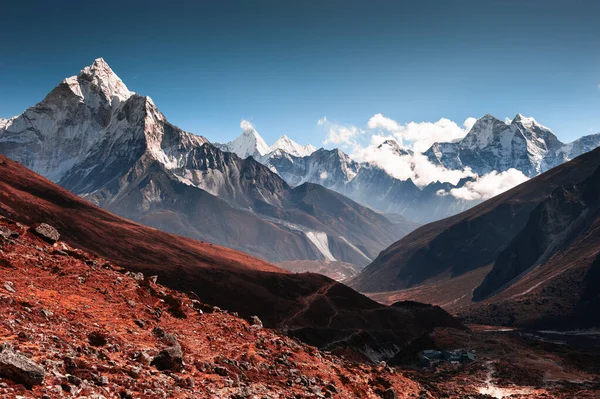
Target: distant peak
{"type": "Point", "coordinates": [289, 146]}
{"type": "Point", "coordinates": [395, 147]}
{"type": "Point", "coordinates": [489, 118]}
{"type": "Point", "coordinates": [524, 120]}
{"type": "Point", "coordinates": [390, 142]}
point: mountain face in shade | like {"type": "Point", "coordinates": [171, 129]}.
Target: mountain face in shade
{"type": "Point", "coordinates": [368, 183]}
{"type": "Point", "coordinates": [308, 306]}
{"type": "Point", "coordinates": [527, 257]}
{"type": "Point", "coordinates": [115, 148]}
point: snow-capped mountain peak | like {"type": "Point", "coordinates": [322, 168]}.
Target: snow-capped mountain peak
{"type": "Point", "coordinates": [98, 78]}
{"type": "Point", "coordinates": [249, 143]}
{"type": "Point", "coordinates": [483, 132]}
{"type": "Point", "coordinates": [288, 145]}
{"type": "Point", "coordinates": [527, 122]}
{"type": "Point", "coordinates": [394, 148]}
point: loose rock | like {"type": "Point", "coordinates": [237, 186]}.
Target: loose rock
{"type": "Point", "coordinates": [169, 359]}
{"type": "Point", "coordinates": [19, 368]}
{"type": "Point", "coordinates": [46, 233]}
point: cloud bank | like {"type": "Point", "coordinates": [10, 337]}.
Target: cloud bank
{"type": "Point", "coordinates": [365, 144]}
{"type": "Point", "coordinates": [490, 185]}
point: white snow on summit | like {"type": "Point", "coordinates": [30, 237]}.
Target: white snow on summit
{"type": "Point", "coordinates": [98, 77]}
{"type": "Point", "coordinates": [288, 145]}
{"type": "Point", "coordinates": [249, 143]}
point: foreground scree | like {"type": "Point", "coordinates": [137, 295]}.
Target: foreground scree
{"type": "Point", "coordinates": [76, 325]}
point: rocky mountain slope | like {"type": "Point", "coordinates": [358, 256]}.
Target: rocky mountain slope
{"type": "Point", "coordinates": [311, 307]}
{"type": "Point", "coordinates": [76, 325]}
{"type": "Point", "coordinates": [99, 140]}
{"type": "Point", "coordinates": [525, 257]}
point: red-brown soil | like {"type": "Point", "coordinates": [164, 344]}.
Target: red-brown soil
{"type": "Point", "coordinates": [62, 295]}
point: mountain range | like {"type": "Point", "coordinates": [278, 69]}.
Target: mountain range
{"type": "Point", "coordinates": [526, 258]}
{"type": "Point", "coordinates": [490, 146]}
{"type": "Point", "coordinates": [113, 147]}
{"type": "Point", "coordinates": [283, 203]}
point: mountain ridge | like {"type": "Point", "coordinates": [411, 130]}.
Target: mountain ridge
{"type": "Point", "coordinates": [115, 148]}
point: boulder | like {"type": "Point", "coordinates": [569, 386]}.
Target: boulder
{"type": "Point", "coordinates": [46, 232]}
{"type": "Point", "coordinates": [256, 322]}
{"type": "Point", "coordinates": [169, 359]}
{"type": "Point", "coordinates": [390, 393]}
{"type": "Point", "coordinates": [19, 368]}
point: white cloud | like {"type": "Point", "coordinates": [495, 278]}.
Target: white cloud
{"type": "Point", "coordinates": [421, 135]}
{"type": "Point", "coordinates": [489, 185]}
{"type": "Point", "coordinates": [468, 123]}
{"type": "Point", "coordinates": [416, 167]}
{"type": "Point", "coordinates": [246, 125]}
{"type": "Point", "coordinates": [323, 175]}
{"type": "Point", "coordinates": [362, 145]}
{"type": "Point", "coordinates": [341, 135]}
{"type": "Point", "coordinates": [378, 121]}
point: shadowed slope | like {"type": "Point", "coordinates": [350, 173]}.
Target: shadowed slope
{"type": "Point", "coordinates": [310, 306]}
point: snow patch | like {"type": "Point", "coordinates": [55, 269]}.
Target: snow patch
{"type": "Point", "coordinates": [321, 241]}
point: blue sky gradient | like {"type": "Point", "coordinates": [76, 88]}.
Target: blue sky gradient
{"type": "Point", "coordinates": [283, 64]}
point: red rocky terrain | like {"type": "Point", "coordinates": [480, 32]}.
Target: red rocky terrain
{"type": "Point", "coordinates": [309, 306]}
{"type": "Point", "coordinates": [76, 325]}
{"type": "Point", "coordinates": [89, 328]}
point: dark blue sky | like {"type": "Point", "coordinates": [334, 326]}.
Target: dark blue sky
{"type": "Point", "coordinates": [285, 64]}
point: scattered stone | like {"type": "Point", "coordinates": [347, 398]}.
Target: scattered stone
{"type": "Point", "coordinates": [175, 306]}
{"type": "Point", "coordinates": [153, 279]}
{"type": "Point", "coordinates": [126, 395]}
{"type": "Point", "coordinates": [97, 338]}
{"type": "Point", "coordinates": [19, 368]}
{"type": "Point", "coordinates": [169, 359]}
{"type": "Point", "coordinates": [141, 357]}
{"type": "Point", "coordinates": [161, 334]}
{"type": "Point", "coordinates": [9, 286]}
{"type": "Point", "coordinates": [390, 393]}
{"type": "Point", "coordinates": [47, 314]}
{"type": "Point", "coordinates": [138, 276]}
{"type": "Point", "coordinates": [140, 323]}
{"type": "Point", "coordinates": [7, 233]}
{"type": "Point", "coordinates": [74, 380]}
{"type": "Point", "coordinates": [131, 303]}
{"type": "Point", "coordinates": [201, 307]}
{"type": "Point", "coordinates": [256, 322]}
{"type": "Point", "coordinates": [46, 232]}
{"type": "Point", "coordinates": [101, 380]}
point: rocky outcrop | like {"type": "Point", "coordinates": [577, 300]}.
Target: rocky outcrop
{"type": "Point", "coordinates": [19, 368]}
{"type": "Point", "coordinates": [46, 232]}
